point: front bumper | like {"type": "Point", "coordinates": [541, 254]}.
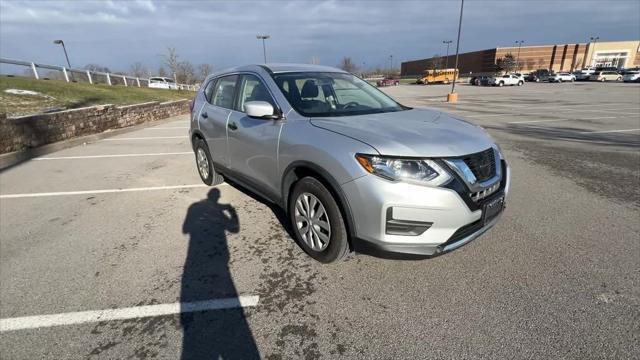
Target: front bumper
{"type": "Point", "coordinates": [453, 218]}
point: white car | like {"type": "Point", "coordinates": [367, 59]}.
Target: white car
{"type": "Point", "coordinates": [162, 83]}
{"type": "Point", "coordinates": [562, 76]}
{"type": "Point", "coordinates": [632, 76]}
{"type": "Point", "coordinates": [508, 79]}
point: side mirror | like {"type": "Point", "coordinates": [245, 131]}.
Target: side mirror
{"type": "Point", "coordinates": [260, 109]}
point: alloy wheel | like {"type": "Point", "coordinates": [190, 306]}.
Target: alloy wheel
{"type": "Point", "coordinates": [202, 162]}
{"type": "Point", "coordinates": [312, 222]}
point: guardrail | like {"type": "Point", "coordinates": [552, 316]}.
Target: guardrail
{"type": "Point", "coordinates": [90, 75]}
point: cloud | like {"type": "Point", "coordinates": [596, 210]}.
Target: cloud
{"type": "Point", "coordinates": [117, 33]}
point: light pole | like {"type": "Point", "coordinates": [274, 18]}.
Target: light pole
{"type": "Point", "coordinates": [390, 64]}
{"type": "Point", "coordinates": [60, 42]}
{"type": "Point", "coordinates": [518, 56]}
{"type": "Point", "coordinates": [593, 52]}
{"type": "Point", "coordinates": [453, 97]}
{"type": "Point", "coordinates": [446, 61]}
{"type": "Point", "coordinates": [264, 48]}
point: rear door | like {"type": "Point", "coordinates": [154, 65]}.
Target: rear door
{"type": "Point", "coordinates": [253, 143]}
{"type": "Point", "coordinates": [214, 117]}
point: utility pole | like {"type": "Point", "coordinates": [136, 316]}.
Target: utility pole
{"type": "Point", "coordinates": [264, 48]}
{"type": "Point", "coordinates": [518, 56]}
{"type": "Point", "coordinates": [453, 97]}
{"type": "Point", "coordinates": [593, 52]}
{"type": "Point", "coordinates": [446, 61]}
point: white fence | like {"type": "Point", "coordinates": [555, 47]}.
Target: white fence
{"type": "Point", "coordinates": [90, 75]}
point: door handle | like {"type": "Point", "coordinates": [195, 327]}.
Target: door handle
{"type": "Point", "coordinates": [232, 126]}
{"type": "Point", "coordinates": [204, 115]}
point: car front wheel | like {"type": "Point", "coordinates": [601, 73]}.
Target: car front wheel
{"type": "Point", "coordinates": [317, 222]}
{"type": "Point", "coordinates": [520, 83]}
{"type": "Point", "coordinates": [501, 83]}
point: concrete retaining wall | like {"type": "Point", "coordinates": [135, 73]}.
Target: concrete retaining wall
{"type": "Point", "coordinates": [36, 130]}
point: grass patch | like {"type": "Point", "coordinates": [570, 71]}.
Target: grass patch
{"type": "Point", "coordinates": [64, 95]}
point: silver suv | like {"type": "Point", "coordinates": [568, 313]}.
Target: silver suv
{"type": "Point", "coordinates": [352, 168]}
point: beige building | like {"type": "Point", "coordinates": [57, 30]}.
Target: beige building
{"type": "Point", "coordinates": [559, 57]}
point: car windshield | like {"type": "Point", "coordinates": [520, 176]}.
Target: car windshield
{"type": "Point", "coordinates": [333, 94]}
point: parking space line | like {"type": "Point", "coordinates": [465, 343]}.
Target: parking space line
{"type": "Point", "coordinates": [82, 317]}
{"type": "Point", "coordinates": [553, 120]}
{"type": "Point", "coordinates": [110, 156]}
{"type": "Point", "coordinates": [101, 191]}
{"type": "Point", "coordinates": [608, 131]}
{"type": "Point", "coordinates": [146, 138]}
{"type": "Point", "coordinates": [167, 128]}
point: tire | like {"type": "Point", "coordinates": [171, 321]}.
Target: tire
{"type": "Point", "coordinates": [204, 164]}
{"type": "Point", "coordinates": [619, 79]}
{"type": "Point", "coordinates": [603, 80]}
{"type": "Point", "coordinates": [537, 80]}
{"type": "Point", "coordinates": [520, 83]}
{"type": "Point", "coordinates": [501, 83]}
{"type": "Point", "coordinates": [306, 192]}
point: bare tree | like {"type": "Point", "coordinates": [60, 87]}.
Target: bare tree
{"type": "Point", "coordinates": [347, 65]}
{"type": "Point", "coordinates": [172, 60]}
{"type": "Point", "coordinates": [435, 62]}
{"type": "Point", "coordinates": [185, 73]}
{"type": "Point", "coordinates": [139, 69]}
{"type": "Point", "coordinates": [506, 63]}
{"type": "Point", "coordinates": [96, 67]}
{"type": "Point", "coordinates": [162, 72]}
{"type": "Point", "coordinates": [204, 70]}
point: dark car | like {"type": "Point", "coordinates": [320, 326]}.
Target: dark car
{"type": "Point", "coordinates": [481, 80]}
{"type": "Point", "coordinates": [388, 82]}
{"type": "Point", "coordinates": [538, 75]}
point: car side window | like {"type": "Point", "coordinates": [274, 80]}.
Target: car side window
{"type": "Point", "coordinates": [253, 89]}
{"type": "Point", "coordinates": [208, 90]}
{"type": "Point", "coordinates": [224, 91]}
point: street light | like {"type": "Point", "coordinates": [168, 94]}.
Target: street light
{"type": "Point", "coordinates": [264, 49]}
{"type": "Point", "coordinates": [593, 52]}
{"type": "Point", "coordinates": [518, 56]}
{"type": "Point", "coordinates": [390, 64]}
{"type": "Point", "coordinates": [446, 61]}
{"type": "Point", "coordinates": [453, 97]}
{"type": "Point", "coordinates": [60, 42]}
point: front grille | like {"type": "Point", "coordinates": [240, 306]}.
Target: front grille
{"type": "Point", "coordinates": [482, 164]}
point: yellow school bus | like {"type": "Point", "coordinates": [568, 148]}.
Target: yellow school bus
{"type": "Point", "coordinates": [438, 76]}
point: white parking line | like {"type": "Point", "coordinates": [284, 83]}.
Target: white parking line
{"type": "Point", "coordinates": [554, 120]}
{"type": "Point", "coordinates": [608, 131]}
{"type": "Point", "coordinates": [111, 156]}
{"type": "Point", "coordinates": [82, 317]}
{"type": "Point", "coordinates": [101, 191]}
{"type": "Point", "coordinates": [167, 128]}
{"type": "Point", "coordinates": [146, 138]}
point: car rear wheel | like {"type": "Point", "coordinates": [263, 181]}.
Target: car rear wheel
{"type": "Point", "coordinates": [318, 224]}
{"type": "Point", "coordinates": [204, 164]}
{"type": "Point", "coordinates": [501, 83]}
{"type": "Point", "coordinates": [603, 80]}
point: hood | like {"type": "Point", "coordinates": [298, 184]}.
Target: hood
{"type": "Point", "coordinates": [411, 133]}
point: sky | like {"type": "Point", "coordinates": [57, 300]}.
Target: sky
{"type": "Point", "coordinates": [223, 33]}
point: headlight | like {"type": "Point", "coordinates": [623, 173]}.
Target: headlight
{"type": "Point", "coordinates": [420, 171]}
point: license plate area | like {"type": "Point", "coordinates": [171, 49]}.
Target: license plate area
{"type": "Point", "coordinates": [492, 208]}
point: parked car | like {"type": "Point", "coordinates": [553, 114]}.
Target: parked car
{"type": "Point", "coordinates": [482, 80]}
{"type": "Point", "coordinates": [631, 76]}
{"type": "Point", "coordinates": [538, 75]}
{"type": "Point", "coordinates": [583, 74]}
{"type": "Point", "coordinates": [162, 83]}
{"type": "Point", "coordinates": [388, 82]}
{"type": "Point", "coordinates": [562, 76]}
{"type": "Point", "coordinates": [508, 79]}
{"type": "Point", "coordinates": [605, 76]}
{"type": "Point", "coordinates": [350, 166]}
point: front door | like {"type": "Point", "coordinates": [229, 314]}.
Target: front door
{"type": "Point", "coordinates": [253, 143]}
{"type": "Point", "coordinates": [214, 117]}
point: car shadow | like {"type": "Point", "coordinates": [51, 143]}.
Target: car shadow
{"type": "Point", "coordinates": [214, 334]}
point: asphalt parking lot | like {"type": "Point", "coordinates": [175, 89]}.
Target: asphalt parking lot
{"type": "Point", "coordinates": [124, 224]}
